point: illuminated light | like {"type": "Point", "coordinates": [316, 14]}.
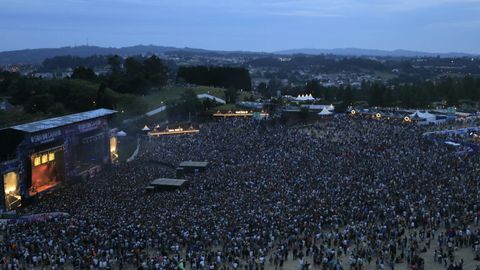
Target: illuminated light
{"type": "Point", "coordinates": [407, 119]}
{"type": "Point", "coordinates": [378, 115]}
{"type": "Point", "coordinates": [242, 112]}
{"type": "Point", "coordinates": [51, 156]}
{"type": "Point", "coordinates": [113, 149]}
{"type": "Point", "coordinates": [353, 112]}
{"type": "Point", "coordinates": [173, 131]}
{"type": "Point", "coordinates": [44, 158]}
{"type": "Point", "coordinates": [233, 114]}
{"type": "Point", "coordinates": [113, 144]}
{"type": "Point", "coordinates": [11, 189]}
{"type": "Point", "coordinates": [37, 161]}
{"type": "Point", "coordinates": [10, 182]}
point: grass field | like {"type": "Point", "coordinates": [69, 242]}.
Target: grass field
{"type": "Point", "coordinates": [171, 93]}
{"type": "Point", "coordinates": [167, 94]}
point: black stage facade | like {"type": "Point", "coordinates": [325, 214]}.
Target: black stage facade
{"type": "Point", "coordinates": [38, 156]}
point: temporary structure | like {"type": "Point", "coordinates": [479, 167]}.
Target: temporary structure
{"type": "Point", "coordinates": [308, 97]}
{"type": "Point", "coordinates": [145, 128]}
{"type": "Point", "coordinates": [325, 112]}
{"type": "Point", "coordinates": [121, 133]}
{"type": "Point", "coordinates": [423, 115]}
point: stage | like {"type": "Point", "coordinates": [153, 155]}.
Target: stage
{"type": "Point", "coordinates": [193, 166]}
{"type": "Point", "coordinates": [166, 184]}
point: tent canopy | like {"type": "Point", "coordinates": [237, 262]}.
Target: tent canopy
{"type": "Point", "coordinates": [308, 97]}
{"type": "Point", "coordinates": [423, 115]}
{"type": "Point", "coordinates": [325, 112]}
{"type": "Point", "coordinates": [121, 133]}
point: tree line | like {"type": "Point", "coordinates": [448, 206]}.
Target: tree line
{"type": "Point", "coordinates": [451, 91]}
{"type": "Point", "coordinates": [225, 77]}
{"type": "Point", "coordinates": [68, 61]}
{"type": "Point", "coordinates": [85, 90]}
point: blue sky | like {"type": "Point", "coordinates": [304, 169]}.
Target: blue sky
{"type": "Point", "coordinates": [254, 25]}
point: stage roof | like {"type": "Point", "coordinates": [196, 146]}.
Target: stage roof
{"type": "Point", "coordinates": [62, 120]}
{"type": "Point", "coordinates": [197, 164]}
{"type": "Point", "coordinates": [168, 182]}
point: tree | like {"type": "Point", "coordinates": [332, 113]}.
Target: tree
{"type": "Point", "coordinates": [261, 87]}
{"type": "Point", "coordinates": [226, 77]}
{"type": "Point", "coordinates": [103, 100]}
{"type": "Point", "coordinates": [347, 97]}
{"type": "Point", "coordinates": [115, 64]}
{"type": "Point", "coordinates": [83, 73]}
{"type": "Point", "coordinates": [155, 71]}
{"type": "Point", "coordinates": [39, 103]}
{"type": "Point", "coordinates": [313, 87]}
{"type": "Point", "coordinates": [326, 94]}
{"type": "Point", "coordinates": [452, 98]}
{"type": "Point", "coordinates": [231, 95]}
{"type": "Point", "coordinates": [188, 104]}
{"type": "Point", "coordinates": [376, 95]}
{"type": "Point", "coordinates": [115, 72]}
{"type": "Point", "coordinates": [133, 81]}
{"type": "Point", "coordinates": [470, 88]}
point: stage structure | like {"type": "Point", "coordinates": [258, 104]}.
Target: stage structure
{"type": "Point", "coordinates": [245, 114]}
{"type": "Point", "coordinates": [193, 166]}
{"type": "Point", "coordinates": [173, 131]}
{"type": "Point", "coordinates": [166, 184]}
{"type": "Point", "coordinates": [38, 156]}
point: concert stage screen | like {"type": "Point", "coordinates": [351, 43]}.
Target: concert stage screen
{"type": "Point", "coordinates": [47, 170]}
{"type": "Point", "coordinates": [11, 187]}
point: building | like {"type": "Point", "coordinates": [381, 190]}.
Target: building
{"type": "Point", "coordinates": [37, 156]}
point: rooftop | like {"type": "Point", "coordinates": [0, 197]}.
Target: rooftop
{"type": "Point", "coordinates": [167, 182]}
{"type": "Point", "coordinates": [62, 120]}
{"type": "Point", "coordinates": [193, 164]}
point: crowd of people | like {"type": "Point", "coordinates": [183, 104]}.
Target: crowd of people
{"type": "Point", "coordinates": [348, 193]}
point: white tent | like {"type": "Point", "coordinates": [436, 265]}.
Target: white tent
{"type": "Point", "coordinates": [145, 128]}
{"type": "Point", "coordinates": [423, 115]}
{"type": "Point", "coordinates": [121, 133]}
{"type": "Point", "coordinates": [331, 107]}
{"type": "Point", "coordinates": [325, 112]}
{"type": "Point", "coordinates": [308, 97]}
{"type": "Point", "coordinates": [214, 98]}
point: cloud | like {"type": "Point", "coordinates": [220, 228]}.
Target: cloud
{"type": "Point", "coordinates": [300, 8]}
{"type": "Point", "coordinates": [411, 5]}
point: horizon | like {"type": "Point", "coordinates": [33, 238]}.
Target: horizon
{"type": "Point", "coordinates": [437, 26]}
{"type": "Point", "coordinates": [240, 50]}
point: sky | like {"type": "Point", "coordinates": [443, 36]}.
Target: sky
{"type": "Point", "coordinates": [248, 25]}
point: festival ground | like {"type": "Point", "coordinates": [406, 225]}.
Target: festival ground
{"type": "Point", "coordinates": [268, 189]}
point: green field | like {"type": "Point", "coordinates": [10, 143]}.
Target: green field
{"type": "Point", "coordinates": [172, 93]}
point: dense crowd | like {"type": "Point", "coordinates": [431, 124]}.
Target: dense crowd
{"type": "Point", "coordinates": [340, 194]}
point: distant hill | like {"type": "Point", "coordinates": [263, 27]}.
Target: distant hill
{"type": "Point", "coordinates": [36, 56]}
{"type": "Point", "coordinates": [370, 52]}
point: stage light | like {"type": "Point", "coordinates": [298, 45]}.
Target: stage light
{"type": "Point", "coordinates": [44, 158]}
{"type": "Point", "coordinates": [378, 115]}
{"type": "Point", "coordinates": [37, 161]}
{"type": "Point", "coordinates": [353, 112]}
{"type": "Point", "coordinates": [407, 119]}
